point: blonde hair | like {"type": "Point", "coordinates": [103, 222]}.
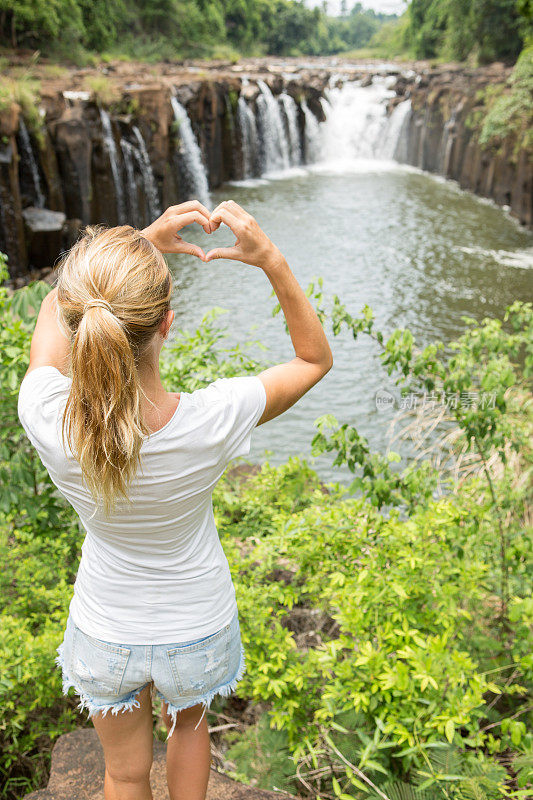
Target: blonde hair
{"type": "Point", "coordinates": [114, 290]}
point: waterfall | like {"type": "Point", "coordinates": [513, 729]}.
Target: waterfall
{"type": "Point", "coordinates": [190, 155]}
{"type": "Point", "coordinates": [128, 154]}
{"type": "Point", "coordinates": [421, 150]}
{"type": "Point", "coordinates": [312, 135]}
{"type": "Point", "coordinates": [293, 134]}
{"type": "Point", "coordinates": [231, 121]}
{"type": "Point", "coordinates": [446, 145]}
{"type": "Point", "coordinates": [357, 128]}
{"type": "Point", "coordinates": [249, 138]}
{"type": "Point", "coordinates": [150, 187]}
{"type": "Point", "coordinates": [74, 97]}
{"type": "Point", "coordinates": [111, 148]}
{"type": "Point", "coordinates": [32, 163]}
{"type": "Point", "coordinates": [274, 143]}
{"type": "Point", "coordinates": [356, 122]}
{"type": "Point", "coordinates": [394, 129]}
{"type": "Point", "coordinates": [325, 106]}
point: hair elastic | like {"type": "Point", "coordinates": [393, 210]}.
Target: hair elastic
{"type": "Point", "coordinates": [97, 303]}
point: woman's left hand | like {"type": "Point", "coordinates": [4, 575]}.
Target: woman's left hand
{"type": "Point", "coordinates": [163, 232]}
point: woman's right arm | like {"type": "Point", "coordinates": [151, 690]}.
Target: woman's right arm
{"type": "Point", "coordinates": [284, 383]}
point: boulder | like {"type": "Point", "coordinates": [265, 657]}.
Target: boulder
{"type": "Point", "coordinates": [78, 768]}
{"type": "Point", "coordinates": [44, 230]}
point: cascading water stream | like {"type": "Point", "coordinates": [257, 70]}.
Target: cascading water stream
{"type": "Point", "coordinates": [394, 130]}
{"type": "Point", "coordinates": [249, 138]}
{"type": "Point", "coordinates": [150, 188]}
{"type": "Point", "coordinates": [30, 158]}
{"type": "Point", "coordinates": [274, 143]}
{"type": "Point", "coordinates": [312, 135]}
{"type": "Point", "coordinates": [129, 156]}
{"type": "Point", "coordinates": [290, 110]}
{"type": "Point", "coordinates": [111, 148]}
{"type": "Point", "coordinates": [190, 155]}
{"type": "Point", "coordinates": [445, 150]}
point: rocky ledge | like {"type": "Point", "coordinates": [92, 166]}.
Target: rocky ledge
{"type": "Point", "coordinates": [78, 768]}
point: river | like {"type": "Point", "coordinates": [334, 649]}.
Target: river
{"type": "Point", "coordinates": [417, 249]}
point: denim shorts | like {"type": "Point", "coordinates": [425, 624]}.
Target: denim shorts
{"type": "Point", "coordinates": [109, 676]}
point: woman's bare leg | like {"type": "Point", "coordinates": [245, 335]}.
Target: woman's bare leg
{"type": "Point", "coordinates": [188, 754]}
{"type": "Point", "coordinates": [127, 739]}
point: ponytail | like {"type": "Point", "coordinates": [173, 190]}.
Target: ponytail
{"type": "Point", "coordinates": [113, 293]}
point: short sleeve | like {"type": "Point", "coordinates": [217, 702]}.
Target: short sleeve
{"type": "Point", "coordinates": [40, 394]}
{"type": "Point", "coordinates": [244, 403]}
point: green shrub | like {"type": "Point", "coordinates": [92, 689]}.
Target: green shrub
{"type": "Point", "coordinates": [510, 108]}
{"type": "Point", "coordinates": [261, 757]}
{"type": "Point", "coordinates": [385, 622]}
{"type": "Point", "coordinates": [23, 90]}
{"type": "Point", "coordinates": [103, 89]}
{"type": "Point", "coordinates": [33, 711]}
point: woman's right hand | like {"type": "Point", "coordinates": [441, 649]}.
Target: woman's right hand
{"type": "Point", "coordinates": [252, 245]}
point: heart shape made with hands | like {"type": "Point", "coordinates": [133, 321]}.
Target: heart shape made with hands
{"type": "Point", "coordinates": [165, 232]}
{"type": "Point", "coordinates": [190, 248]}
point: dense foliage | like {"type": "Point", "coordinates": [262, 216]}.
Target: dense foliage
{"type": "Point", "coordinates": [387, 627]}
{"type": "Point", "coordinates": [177, 28]}
{"type": "Point", "coordinates": [482, 30]}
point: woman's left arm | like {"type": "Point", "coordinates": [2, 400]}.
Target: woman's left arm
{"type": "Point", "coordinates": [49, 345]}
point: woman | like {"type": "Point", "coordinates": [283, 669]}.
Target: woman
{"type": "Point", "coordinates": [154, 608]}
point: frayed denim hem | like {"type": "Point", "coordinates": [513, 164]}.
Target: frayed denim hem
{"type": "Point", "coordinates": [225, 690]}
{"type": "Point", "coordinates": [128, 704]}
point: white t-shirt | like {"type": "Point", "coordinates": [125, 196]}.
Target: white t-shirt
{"type": "Point", "coordinates": [154, 573]}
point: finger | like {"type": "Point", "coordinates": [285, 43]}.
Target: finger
{"type": "Point", "coordinates": [237, 210]}
{"type": "Point", "coordinates": [214, 225]}
{"type": "Point", "coordinates": [181, 220]}
{"type": "Point", "coordinates": [222, 252]}
{"type": "Point", "coordinates": [190, 249]}
{"type": "Point", "coordinates": [222, 205]}
{"type": "Point", "coordinates": [224, 215]}
{"type": "Point", "coordinates": [189, 205]}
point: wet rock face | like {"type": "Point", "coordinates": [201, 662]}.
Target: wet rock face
{"type": "Point", "coordinates": [78, 773]}
{"type": "Point", "coordinates": [440, 137]}
{"type": "Point", "coordinates": [11, 227]}
{"type": "Point", "coordinates": [72, 141]}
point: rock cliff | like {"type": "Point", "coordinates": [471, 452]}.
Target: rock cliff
{"type": "Point", "coordinates": [116, 152]}
{"type": "Point", "coordinates": [441, 135]}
